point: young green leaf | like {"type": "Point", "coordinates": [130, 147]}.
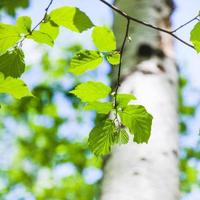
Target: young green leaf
{"type": "Point", "coordinates": [121, 137]}
{"type": "Point", "coordinates": [138, 120]}
{"type": "Point", "coordinates": [99, 107]}
{"type": "Point", "coordinates": [101, 138]}
{"type": "Point", "coordinates": [113, 58]}
{"type": "Point", "coordinates": [85, 60]}
{"type": "Point", "coordinates": [91, 91]}
{"type": "Point", "coordinates": [14, 87]}
{"type": "Point", "coordinates": [9, 36]}
{"type": "Point", "coordinates": [71, 18]}
{"type": "Point", "coordinates": [50, 28]}
{"type": "Point", "coordinates": [187, 110]}
{"type": "Point", "coordinates": [124, 99]}
{"type": "Point", "coordinates": [195, 37]}
{"type": "Point", "coordinates": [41, 37]}
{"type": "Point", "coordinates": [24, 24]}
{"type": "Point", "coordinates": [104, 39]}
{"type": "Point", "coordinates": [12, 63]}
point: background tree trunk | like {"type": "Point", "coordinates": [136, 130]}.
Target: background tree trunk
{"type": "Point", "coordinates": [147, 172]}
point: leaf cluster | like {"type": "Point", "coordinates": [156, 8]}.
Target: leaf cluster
{"type": "Point", "coordinates": [128, 118]}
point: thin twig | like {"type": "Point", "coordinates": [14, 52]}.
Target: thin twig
{"type": "Point", "coordinates": [40, 22]}
{"type": "Point", "coordinates": [122, 13]}
{"type": "Point", "coordinates": [120, 66]}
{"type": "Point", "coordinates": [185, 24]}
{"type": "Point", "coordinates": [45, 15]}
{"type": "Point", "coordinates": [121, 57]}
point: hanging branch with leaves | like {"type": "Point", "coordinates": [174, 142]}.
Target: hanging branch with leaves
{"type": "Point", "coordinates": [126, 118]}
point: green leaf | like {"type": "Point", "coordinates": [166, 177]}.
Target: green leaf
{"type": "Point", "coordinates": [71, 18]}
{"type": "Point", "coordinates": [24, 24]}
{"type": "Point", "coordinates": [192, 174]}
{"type": "Point", "coordinates": [195, 37]}
{"type": "Point", "coordinates": [9, 36]}
{"type": "Point", "coordinates": [85, 60]}
{"type": "Point", "coordinates": [12, 63]}
{"type": "Point", "coordinates": [41, 37]}
{"type": "Point", "coordinates": [113, 58]}
{"type": "Point", "coordinates": [124, 99]}
{"type": "Point", "coordinates": [187, 110]}
{"type": "Point", "coordinates": [104, 39]}
{"type": "Point", "coordinates": [91, 91]}
{"type": "Point", "coordinates": [14, 87]}
{"type": "Point", "coordinates": [138, 120]}
{"type": "Point", "coordinates": [101, 138]}
{"type": "Point", "coordinates": [99, 107]}
{"type": "Point", "coordinates": [121, 137]}
{"type": "Point", "coordinates": [50, 28]}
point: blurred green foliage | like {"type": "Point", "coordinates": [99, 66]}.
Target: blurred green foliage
{"type": "Point", "coordinates": [42, 158]}
{"type": "Point", "coordinates": [189, 156]}
{"type": "Point", "coordinates": [10, 6]}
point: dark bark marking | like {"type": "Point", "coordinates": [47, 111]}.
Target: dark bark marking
{"type": "Point", "coordinates": [170, 4]}
{"type": "Point", "coordinates": [158, 8]}
{"type": "Point", "coordinates": [160, 53]}
{"type": "Point", "coordinates": [161, 68]}
{"type": "Point", "coordinates": [146, 72]}
{"type": "Point", "coordinates": [165, 153]}
{"type": "Point", "coordinates": [175, 152]}
{"type": "Point", "coordinates": [106, 158]}
{"type": "Point", "coordinates": [145, 50]}
{"type": "Point", "coordinates": [143, 159]}
{"type": "Point", "coordinates": [178, 68]}
{"type": "Point", "coordinates": [171, 82]}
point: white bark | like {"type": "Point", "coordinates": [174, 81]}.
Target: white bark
{"type": "Point", "coordinates": [148, 171]}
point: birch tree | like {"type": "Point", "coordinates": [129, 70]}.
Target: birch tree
{"type": "Point", "coordinates": [144, 89]}
{"type": "Point", "coordinates": [147, 171]}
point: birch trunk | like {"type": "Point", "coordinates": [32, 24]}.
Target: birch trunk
{"type": "Point", "coordinates": [147, 171]}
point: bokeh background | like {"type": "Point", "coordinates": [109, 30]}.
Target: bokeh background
{"type": "Point", "coordinates": [43, 140]}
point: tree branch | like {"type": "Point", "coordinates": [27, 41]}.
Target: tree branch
{"type": "Point", "coordinates": [171, 33]}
